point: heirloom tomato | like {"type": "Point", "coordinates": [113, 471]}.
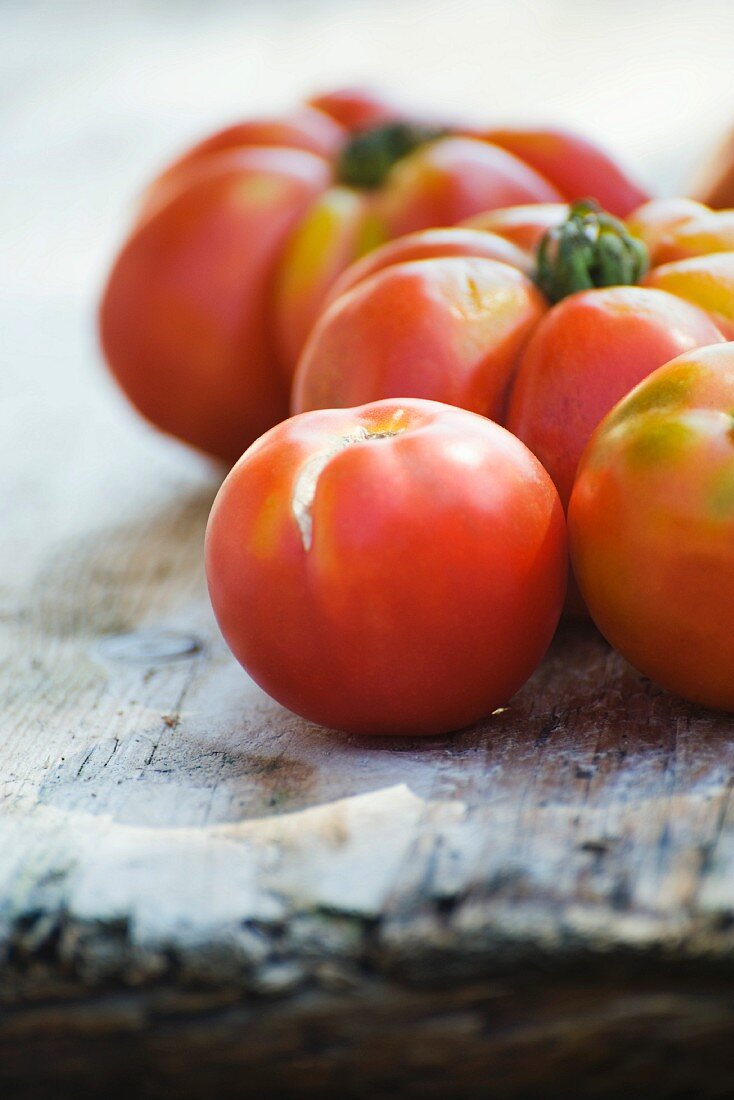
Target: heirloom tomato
{"type": "Point", "coordinates": [450, 329]}
{"type": "Point", "coordinates": [396, 568]}
{"type": "Point", "coordinates": [236, 245]}
{"type": "Point", "coordinates": [587, 353]}
{"type": "Point", "coordinates": [471, 332]}
{"type": "Point", "coordinates": [576, 166]}
{"type": "Point", "coordinates": [651, 524]}
{"type": "Point", "coordinates": [524, 226]}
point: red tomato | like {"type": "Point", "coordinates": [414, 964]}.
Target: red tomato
{"type": "Point", "coordinates": [357, 108]}
{"type": "Point", "coordinates": [304, 128]}
{"type": "Point", "coordinates": [213, 295]}
{"type": "Point", "coordinates": [448, 329]}
{"type": "Point", "coordinates": [524, 226]}
{"type": "Point", "coordinates": [449, 180]}
{"type": "Point", "coordinates": [430, 244]}
{"type": "Point", "coordinates": [574, 165]}
{"type": "Point", "coordinates": [651, 524]}
{"type": "Point", "coordinates": [587, 353]}
{"type": "Point", "coordinates": [184, 317]}
{"type": "Point", "coordinates": [392, 569]}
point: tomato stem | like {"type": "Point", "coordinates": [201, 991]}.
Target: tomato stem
{"type": "Point", "coordinates": [589, 249]}
{"type": "Point", "coordinates": [367, 158]}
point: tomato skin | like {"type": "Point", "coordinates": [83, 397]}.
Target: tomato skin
{"type": "Point", "coordinates": [430, 244]}
{"type": "Point", "coordinates": [414, 583]}
{"type": "Point", "coordinates": [447, 329]}
{"type": "Point", "coordinates": [585, 355]}
{"type": "Point", "coordinates": [523, 225]}
{"type": "Point", "coordinates": [451, 179]}
{"type": "Point", "coordinates": [207, 354]}
{"type": "Point", "coordinates": [656, 223]}
{"type": "Point", "coordinates": [305, 128]}
{"type": "Point", "coordinates": [651, 525]}
{"type": "Point", "coordinates": [184, 315]}
{"type": "Point", "coordinates": [706, 281]}
{"type": "Point", "coordinates": [357, 108]}
{"type": "Point", "coordinates": [575, 166]}
{"type": "Point", "coordinates": [338, 227]}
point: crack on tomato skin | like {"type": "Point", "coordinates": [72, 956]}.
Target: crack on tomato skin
{"type": "Point", "coordinates": [304, 489]}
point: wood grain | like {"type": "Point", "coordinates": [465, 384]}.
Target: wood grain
{"type": "Point", "coordinates": [202, 895]}
{"type": "Point", "coordinates": [186, 867]}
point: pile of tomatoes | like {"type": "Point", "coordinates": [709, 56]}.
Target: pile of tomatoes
{"type": "Point", "coordinates": [482, 373]}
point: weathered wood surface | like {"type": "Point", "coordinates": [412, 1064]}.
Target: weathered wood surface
{"type": "Point", "coordinates": [201, 894]}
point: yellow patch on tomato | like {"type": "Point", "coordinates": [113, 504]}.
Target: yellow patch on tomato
{"type": "Point", "coordinates": [658, 440]}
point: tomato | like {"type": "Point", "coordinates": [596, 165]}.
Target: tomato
{"type": "Point", "coordinates": [357, 108]}
{"type": "Point", "coordinates": [656, 221]}
{"type": "Point", "coordinates": [339, 226]}
{"type": "Point", "coordinates": [651, 524]}
{"type": "Point", "coordinates": [524, 226]}
{"type": "Point", "coordinates": [576, 166]}
{"type": "Point", "coordinates": [448, 329]}
{"type": "Point", "coordinates": [183, 318]}
{"type": "Point", "coordinates": [587, 353]}
{"type": "Point", "coordinates": [396, 568]}
{"type": "Point", "coordinates": [410, 328]}
{"type": "Point", "coordinates": [706, 281]}
{"type": "Point", "coordinates": [235, 247]}
{"type": "Point", "coordinates": [448, 180]}
{"type": "Point", "coordinates": [431, 244]}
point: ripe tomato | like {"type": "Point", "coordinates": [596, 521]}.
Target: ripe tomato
{"type": "Point", "coordinates": [221, 279]}
{"type": "Point", "coordinates": [576, 166]}
{"type": "Point", "coordinates": [397, 568]}
{"type": "Point", "coordinates": [587, 353]}
{"type": "Point", "coordinates": [447, 329]}
{"type": "Point", "coordinates": [706, 281]}
{"type": "Point", "coordinates": [431, 244]}
{"type": "Point", "coordinates": [524, 226]}
{"type": "Point", "coordinates": [183, 318]}
{"type": "Point", "coordinates": [651, 524]}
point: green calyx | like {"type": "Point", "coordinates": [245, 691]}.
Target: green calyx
{"type": "Point", "coordinates": [367, 157]}
{"type": "Point", "coordinates": [589, 249]}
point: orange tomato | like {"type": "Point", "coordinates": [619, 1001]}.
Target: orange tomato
{"type": "Point", "coordinates": [651, 525]}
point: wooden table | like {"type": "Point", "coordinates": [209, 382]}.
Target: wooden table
{"type": "Point", "coordinates": [202, 895]}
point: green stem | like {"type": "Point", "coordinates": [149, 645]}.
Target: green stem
{"type": "Point", "coordinates": [367, 157]}
{"type": "Point", "coordinates": [590, 249]}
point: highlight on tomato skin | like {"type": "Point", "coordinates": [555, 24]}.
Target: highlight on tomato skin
{"type": "Point", "coordinates": [397, 568]}
{"type": "Point", "coordinates": [651, 526]}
